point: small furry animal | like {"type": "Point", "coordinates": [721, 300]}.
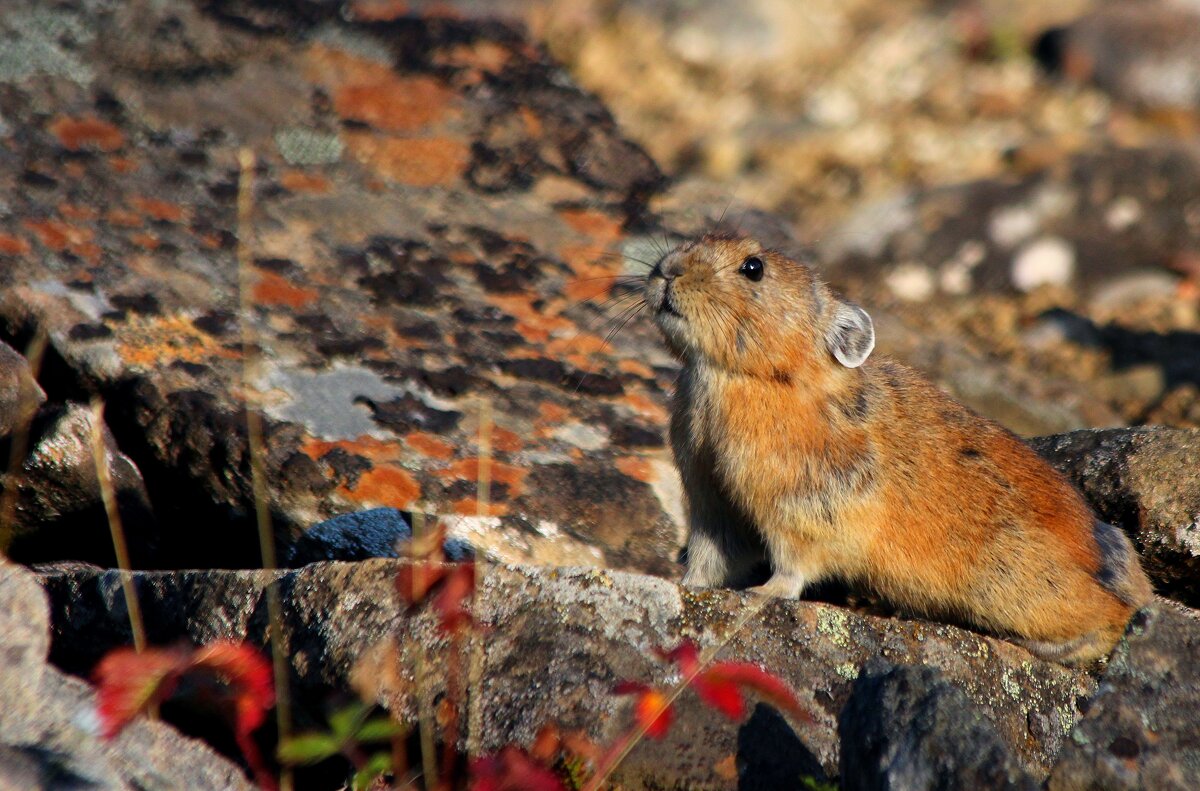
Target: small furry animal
{"type": "Point", "coordinates": [797, 448]}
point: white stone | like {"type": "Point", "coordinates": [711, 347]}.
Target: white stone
{"type": "Point", "coordinates": [911, 282]}
{"type": "Point", "coordinates": [1045, 261]}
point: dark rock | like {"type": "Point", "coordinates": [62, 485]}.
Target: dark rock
{"type": "Point", "coordinates": [1139, 731]}
{"type": "Point", "coordinates": [1141, 53]}
{"type": "Point", "coordinates": [375, 533]}
{"type": "Point", "coordinates": [908, 728]}
{"type": "Point", "coordinates": [553, 642]}
{"type": "Point", "coordinates": [1146, 480]}
{"type": "Point", "coordinates": [48, 737]}
{"type": "Point", "coordinates": [20, 394]}
{"type": "Point", "coordinates": [59, 512]}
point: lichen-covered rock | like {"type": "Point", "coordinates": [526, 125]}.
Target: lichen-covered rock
{"type": "Point", "coordinates": [1140, 731]}
{"type": "Point", "coordinates": [48, 728]}
{"type": "Point", "coordinates": [58, 512]}
{"type": "Point", "coordinates": [1147, 480]}
{"type": "Point", "coordinates": [437, 222]}
{"type": "Point", "coordinates": [906, 728]}
{"type": "Point", "coordinates": [20, 394]}
{"type": "Point", "coordinates": [555, 641]}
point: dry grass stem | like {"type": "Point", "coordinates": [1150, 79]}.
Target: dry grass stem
{"type": "Point", "coordinates": [254, 439]}
{"type": "Point", "coordinates": [109, 497]}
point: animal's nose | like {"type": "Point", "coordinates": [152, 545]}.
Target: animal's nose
{"type": "Point", "coordinates": [668, 268]}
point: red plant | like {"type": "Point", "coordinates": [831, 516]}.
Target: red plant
{"type": "Point", "coordinates": [130, 683]}
{"type": "Point", "coordinates": [512, 769]}
{"type": "Point", "coordinates": [722, 684]}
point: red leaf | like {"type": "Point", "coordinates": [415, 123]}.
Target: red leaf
{"type": "Point", "coordinates": [414, 581]}
{"type": "Point", "coordinates": [129, 683]}
{"type": "Point", "coordinates": [652, 710]}
{"type": "Point", "coordinates": [247, 674]}
{"type": "Point", "coordinates": [457, 588]}
{"type": "Point", "coordinates": [512, 769]}
{"type": "Point", "coordinates": [720, 693]}
{"type": "Point", "coordinates": [749, 676]}
{"type": "Point", "coordinates": [686, 655]}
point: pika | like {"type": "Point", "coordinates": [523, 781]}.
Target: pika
{"type": "Point", "coordinates": [798, 448]}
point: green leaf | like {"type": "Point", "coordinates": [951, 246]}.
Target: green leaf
{"type": "Point", "coordinates": [308, 748]}
{"type": "Point", "coordinates": [377, 764]}
{"type": "Point", "coordinates": [379, 729]}
{"type": "Point", "coordinates": [344, 722]}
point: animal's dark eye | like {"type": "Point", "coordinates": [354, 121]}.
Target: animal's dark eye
{"type": "Point", "coordinates": [752, 268]}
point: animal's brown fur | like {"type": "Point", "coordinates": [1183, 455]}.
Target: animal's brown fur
{"type": "Point", "coordinates": [868, 474]}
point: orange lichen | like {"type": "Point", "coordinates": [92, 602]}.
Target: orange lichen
{"type": "Point", "coordinates": [506, 441]}
{"type": "Point", "coordinates": [595, 224]}
{"type": "Point", "coordinates": [378, 10]}
{"type": "Point", "coordinates": [58, 235]}
{"type": "Point", "coordinates": [151, 341]}
{"type": "Point", "coordinates": [533, 324]}
{"type": "Point", "coordinates": [146, 241]}
{"type": "Point", "coordinates": [429, 445]}
{"type": "Point", "coordinates": [417, 162]}
{"type": "Point", "coordinates": [637, 468]}
{"type": "Point", "coordinates": [123, 164]}
{"type": "Point", "coordinates": [499, 472]}
{"type": "Point", "coordinates": [75, 212]}
{"type": "Point", "coordinates": [385, 485]}
{"type": "Point", "coordinates": [366, 446]}
{"type": "Point", "coordinates": [485, 56]}
{"type": "Point", "coordinates": [157, 209]}
{"type": "Point", "coordinates": [273, 289]}
{"type": "Point", "coordinates": [635, 367]}
{"type": "Point", "coordinates": [13, 245]}
{"type": "Point", "coordinates": [393, 103]}
{"type": "Point", "coordinates": [647, 407]}
{"type": "Point", "coordinates": [123, 218]}
{"type": "Point", "coordinates": [76, 134]}
{"type": "Point", "coordinates": [299, 181]}
{"type": "Point", "coordinates": [552, 413]}
{"type": "Point", "coordinates": [469, 506]}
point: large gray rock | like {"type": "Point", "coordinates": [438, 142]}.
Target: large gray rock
{"type": "Point", "coordinates": [1140, 730]}
{"type": "Point", "coordinates": [48, 726]}
{"type": "Point", "coordinates": [907, 729]}
{"type": "Point", "coordinates": [1147, 480]}
{"type": "Point", "coordinates": [555, 641]}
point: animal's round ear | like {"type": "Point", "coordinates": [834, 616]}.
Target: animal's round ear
{"type": "Point", "coordinates": [851, 335]}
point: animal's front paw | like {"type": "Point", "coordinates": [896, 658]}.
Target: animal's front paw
{"type": "Point", "coordinates": [784, 586]}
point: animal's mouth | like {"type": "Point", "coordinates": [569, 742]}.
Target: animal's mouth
{"type": "Point", "coordinates": [667, 305]}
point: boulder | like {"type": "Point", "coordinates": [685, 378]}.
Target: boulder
{"type": "Point", "coordinates": [1147, 480]}
{"type": "Point", "coordinates": [436, 225]}
{"type": "Point", "coordinates": [553, 642]}
{"type": "Point", "coordinates": [20, 394]}
{"type": "Point", "coordinates": [48, 732]}
{"type": "Point", "coordinates": [908, 728]}
{"type": "Point", "coordinates": [1139, 731]}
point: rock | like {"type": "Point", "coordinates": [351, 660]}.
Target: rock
{"type": "Point", "coordinates": [1146, 480]}
{"type": "Point", "coordinates": [1141, 53]}
{"type": "Point", "coordinates": [59, 513]}
{"type": "Point", "coordinates": [1065, 225]}
{"type": "Point", "coordinates": [20, 394]}
{"type": "Point", "coordinates": [437, 218]}
{"type": "Point", "coordinates": [907, 728]}
{"type": "Point", "coordinates": [557, 640]}
{"type": "Point", "coordinates": [48, 737]}
{"type": "Point", "coordinates": [1139, 731]}
{"type": "Point", "coordinates": [374, 533]}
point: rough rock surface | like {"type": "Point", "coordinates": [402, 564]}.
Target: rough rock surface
{"type": "Point", "coordinates": [1139, 731]}
{"type": "Point", "coordinates": [558, 640]}
{"type": "Point", "coordinates": [907, 728]}
{"type": "Point", "coordinates": [1147, 480]}
{"type": "Point", "coordinates": [48, 737]}
{"type": "Point", "coordinates": [20, 393]}
{"type": "Point", "coordinates": [437, 212]}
